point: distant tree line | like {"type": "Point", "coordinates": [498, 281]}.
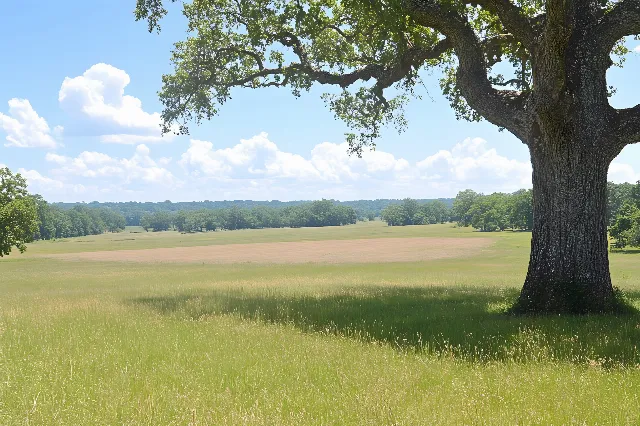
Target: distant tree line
{"type": "Point", "coordinates": [134, 211]}
{"type": "Point", "coordinates": [494, 212]}
{"type": "Point", "coordinates": [314, 214]}
{"type": "Point", "coordinates": [55, 222]}
{"type": "Point", "coordinates": [499, 211]}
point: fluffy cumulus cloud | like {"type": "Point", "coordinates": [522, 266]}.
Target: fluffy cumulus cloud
{"type": "Point", "coordinates": [473, 163]}
{"type": "Point", "coordinates": [95, 165]}
{"type": "Point", "coordinates": [256, 168]}
{"type": "Point", "coordinates": [97, 102]}
{"type": "Point", "coordinates": [259, 157]}
{"type": "Point", "coordinates": [26, 129]}
{"type": "Point", "coordinates": [637, 49]}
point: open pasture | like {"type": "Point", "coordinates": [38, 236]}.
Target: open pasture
{"type": "Point", "coordinates": [391, 341]}
{"type": "Point", "coordinates": [328, 251]}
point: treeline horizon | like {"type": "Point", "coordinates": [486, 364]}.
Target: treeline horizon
{"type": "Point", "coordinates": [490, 212]}
{"type": "Point", "coordinates": [81, 220]}
{"type": "Point", "coordinates": [314, 214]}
{"type": "Point", "coordinates": [500, 211]}
{"type": "Point", "coordinates": [134, 210]}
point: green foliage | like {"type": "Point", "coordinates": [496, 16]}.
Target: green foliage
{"type": "Point", "coordinates": [462, 205]}
{"type": "Point", "coordinates": [520, 209]}
{"type": "Point", "coordinates": [626, 227]}
{"type": "Point", "coordinates": [489, 213]}
{"type": "Point", "coordinates": [293, 44]}
{"type": "Point", "coordinates": [81, 220]}
{"type": "Point", "coordinates": [617, 195]}
{"type": "Point", "coordinates": [314, 214]}
{"type": "Point", "coordinates": [411, 212]}
{"type": "Point", "coordinates": [495, 212]}
{"type": "Point", "coordinates": [158, 221]}
{"type": "Point", "coordinates": [264, 210]}
{"type": "Point", "coordinates": [623, 213]}
{"type": "Point", "coordinates": [18, 213]}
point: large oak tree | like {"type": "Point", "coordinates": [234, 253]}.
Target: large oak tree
{"type": "Point", "coordinates": [554, 97]}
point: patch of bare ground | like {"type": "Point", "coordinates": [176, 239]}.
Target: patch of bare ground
{"type": "Point", "coordinates": [334, 251]}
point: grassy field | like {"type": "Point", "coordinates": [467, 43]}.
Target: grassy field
{"type": "Point", "coordinates": [359, 343]}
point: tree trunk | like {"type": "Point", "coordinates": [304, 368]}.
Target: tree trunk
{"type": "Point", "coordinates": [569, 264]}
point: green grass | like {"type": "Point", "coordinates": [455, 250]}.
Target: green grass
{"type": "Point", "coordinates": [136, 238]}
{"type": "Point", "coordinates": [398, 343]}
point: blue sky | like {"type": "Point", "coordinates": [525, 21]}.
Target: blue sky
{"type": "Point", "coordinates": [79, 118]}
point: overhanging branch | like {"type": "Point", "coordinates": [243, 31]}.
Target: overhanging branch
{"type": "Point", "coordinates": [385, 76]}
{"type": "Point", "coordinates": [622, 21]}
{"type": "Point", "coordinates": [504, 108]}
{"type": "Point", "coordinates": [627, 126]}
{"type": "Point", "coordinates": [513, 19]}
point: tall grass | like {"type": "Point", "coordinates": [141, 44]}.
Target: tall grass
{"type": "Point", "coordinates": [401, 343]}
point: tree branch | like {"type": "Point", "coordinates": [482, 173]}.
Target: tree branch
{"type": "Point", "coordinates": [385, 76]}
{"type": "Point", "coordinates": [513, 19]}
{"type": "Point", "coordinates": [627, 126]}
{"type": "Point", "coordinates": [622, 21]}
{"type": "Point", "coordinates": [504, 108]}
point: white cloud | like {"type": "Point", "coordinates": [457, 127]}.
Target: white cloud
{"type": "Point", "coordinates": [97, 96]}
{"type": "Point", "coordinates": [38, 182]}
{"type": "Point", "coordinates": [91, 164]}
{"type": "Point", "coordinates": [621, 172]}
{"type": "Point", "coordinates": [258, 156]}
{"type": "Point", "coordinates": [472, 163]}
{"type": "Point", "coordinates": [256, 168]}
{"type": "Point", "coordinates": [637, 49]}
{"type": "Point", "coordinates": [26, 129]}
{"type": "Point", "coordinates": [254, 156]}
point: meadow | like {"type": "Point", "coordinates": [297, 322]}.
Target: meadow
{"type": "Point", "coordinates": [355, 342]}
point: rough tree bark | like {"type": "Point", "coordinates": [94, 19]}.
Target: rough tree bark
{"type": "Point", "coordinates": [569, 264]}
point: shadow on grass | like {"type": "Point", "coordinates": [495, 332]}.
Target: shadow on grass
{"type": "Point", "coordinates": [461, 323]}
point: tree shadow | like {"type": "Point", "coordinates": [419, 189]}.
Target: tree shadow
{"type": "Point", "coordinates": [461, 323]}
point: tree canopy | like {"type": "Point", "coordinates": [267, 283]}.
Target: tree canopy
{"type": "Point", "coordinates": [18, 216]}
{"type": "Point", "coordinates": [489, 50]}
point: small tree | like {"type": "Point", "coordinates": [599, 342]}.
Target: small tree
{"type": "Point", "coordinates": [394, 215]}
{"type": "Point", "coordinates": [626, 227]}
{"type": "Point", "coordinates": [462, 206]}
{"type": "Point", "coordinates": [520, 209]}
{"type": "Point", "coordinates": [18, 213]}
